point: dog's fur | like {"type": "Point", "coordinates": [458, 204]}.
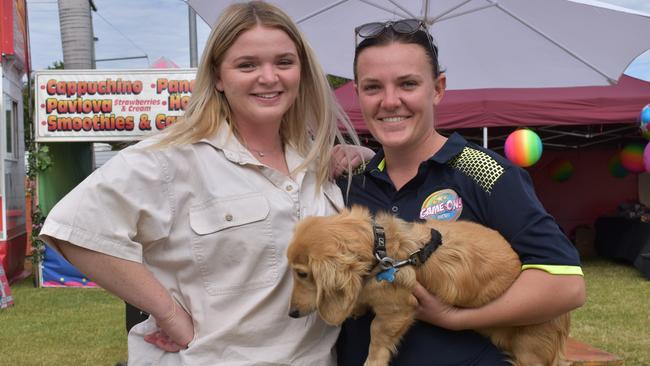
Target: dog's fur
{"type": "Point", "coordinates": [334, 269]}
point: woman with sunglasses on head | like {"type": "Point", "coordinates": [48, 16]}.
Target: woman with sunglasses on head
{"type": "Point", "coordinates": [191, 226]}
{"type": "Point", "coordinates": [421, 175]}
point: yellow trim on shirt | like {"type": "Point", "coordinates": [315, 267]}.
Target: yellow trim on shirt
{"type": "Point", "coordinates": [555, 269]}
{"type": "Point", "coordinates": [381, 165]}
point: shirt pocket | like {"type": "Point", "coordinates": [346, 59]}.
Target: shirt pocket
{"type": "Point", "coordinates": [232, 244]}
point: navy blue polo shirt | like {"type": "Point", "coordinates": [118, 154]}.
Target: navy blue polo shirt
{"type": "Point", "coordinates": [462, 181]}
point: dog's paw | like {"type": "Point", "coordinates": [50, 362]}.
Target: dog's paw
{"type": "Point", "coordinates": [379, 357]}
{"type": "Point", "coordinates": [375, 363]}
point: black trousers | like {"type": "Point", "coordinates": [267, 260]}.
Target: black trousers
{"type": "Point", "coordinates": [134, 316]}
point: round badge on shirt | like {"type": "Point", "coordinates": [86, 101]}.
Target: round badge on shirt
{"type": "Point", "coordinates": [443, 205]}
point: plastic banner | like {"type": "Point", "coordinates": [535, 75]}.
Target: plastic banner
{"type": "Point", "coordinates": [113, 105]}
{"type": "Point", "coordinates": [6, 299]}
{"type": "Point", "coordinates": [58, 272]}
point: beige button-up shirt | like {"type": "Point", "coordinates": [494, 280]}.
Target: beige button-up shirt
{"type": "Point", "coordinates": [212, 224]}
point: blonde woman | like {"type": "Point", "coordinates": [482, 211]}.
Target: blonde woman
{"type": "Point", "coordinates": [192, 226]}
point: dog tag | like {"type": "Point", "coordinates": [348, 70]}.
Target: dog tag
{"type": "Point", "coordinates": [386, 275]}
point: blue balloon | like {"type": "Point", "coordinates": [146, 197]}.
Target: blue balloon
{"type": "Point", "coordinates": [644, 121]}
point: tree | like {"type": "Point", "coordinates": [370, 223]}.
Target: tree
{"type": "Point", "coordinates": [336, 81]}
{"type": "Point", "coordinates": [56, 65]}
{"type": "Point", "coordinates": [38, 159]}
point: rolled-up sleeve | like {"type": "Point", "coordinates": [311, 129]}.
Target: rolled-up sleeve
{"type": "Point", "coordinates": [120, 208]}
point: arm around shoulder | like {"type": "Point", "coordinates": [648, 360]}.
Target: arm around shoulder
{"type": "Point", "coordinates": [347, 158]}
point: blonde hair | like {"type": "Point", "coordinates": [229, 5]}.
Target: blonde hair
{"type": "Point", "coordinates": [310, 124]}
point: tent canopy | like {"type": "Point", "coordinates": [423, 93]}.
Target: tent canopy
{"type": "Point", "coordinates": [483, 43]}
{"type": "Point", "coordinates": [547, 108]}
{"type": "Point", "coordinates": [164, 63]}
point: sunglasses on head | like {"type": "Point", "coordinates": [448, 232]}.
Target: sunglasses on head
{"type": "Point", "coordinates": [403, 26]}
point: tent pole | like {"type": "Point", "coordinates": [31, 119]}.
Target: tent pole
{"type": "Point", "coordinates": [485, 137]}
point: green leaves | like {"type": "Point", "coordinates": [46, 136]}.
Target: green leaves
{"type": "Point", "coordinates": [38, 159]}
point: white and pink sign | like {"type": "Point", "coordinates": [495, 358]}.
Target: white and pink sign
{"type": "Point", "coordinates": [100, 105]}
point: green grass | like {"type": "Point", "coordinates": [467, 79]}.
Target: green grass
{"type": "Point", "coordinates": [616, 317]}
{"type": "Point", "coordinates": [62, 326]}
{"type": "Point", "coordinates": [72, 326]}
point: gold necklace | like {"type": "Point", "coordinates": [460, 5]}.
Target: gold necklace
{"type": "Point", "coordinates": [261, 153]}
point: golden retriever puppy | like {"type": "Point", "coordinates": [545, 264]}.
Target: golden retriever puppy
{"type": "Point", "coordinates": [335, 273]}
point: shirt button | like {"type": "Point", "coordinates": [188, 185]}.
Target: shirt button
{"type": "Point", "coordinates": [394, 208]}
{"type": "Point", "coordinates": [228, 217]}
{"type": "Point", "coordinates": [289, 188]}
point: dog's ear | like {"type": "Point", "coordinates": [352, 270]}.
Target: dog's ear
{"type": "Point", "coordinates": [337, 289]}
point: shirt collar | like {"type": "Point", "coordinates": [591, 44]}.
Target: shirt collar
{"type": "Point", "coordinates": [224, 139]}
{"type": "Point", "coordinates": [452, 147]}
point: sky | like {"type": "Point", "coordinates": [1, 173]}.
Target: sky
{"type": "Point", "coordinates": [159, 28]}
{"type": "Point", "coordinates": [155, 28]}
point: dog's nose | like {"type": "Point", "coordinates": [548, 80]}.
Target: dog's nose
{"type": "Point", "coordinates": [294, 313]}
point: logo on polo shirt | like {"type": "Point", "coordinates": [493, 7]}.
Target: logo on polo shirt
{"type": "Point", "coordinates": [443, 205]}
